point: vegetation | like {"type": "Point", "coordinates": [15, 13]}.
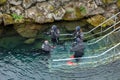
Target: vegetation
{"type": "Point", "coordinates": [83, 10]}
{"type": "Point", "coordinates": [17, 18]}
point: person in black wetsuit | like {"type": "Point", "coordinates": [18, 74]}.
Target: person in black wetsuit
{"type": "Point", "coordinates": [46, 47]}
{"type": "Point", "coordinates": [55, 33]}
{"type": "Point", "coordinates": [78, 48]}
{"type": "Point", "coordinates": [78, 33]}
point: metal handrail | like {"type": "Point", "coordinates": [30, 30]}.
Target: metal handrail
{"type": "Point", "coordinates": [101, 23]}
{"type": "Point", "coordinates": [89, 56]}
{"type": "Point", "coordinates": [104, 30]}
{"type": "Point", "coordinates": [103, 36]}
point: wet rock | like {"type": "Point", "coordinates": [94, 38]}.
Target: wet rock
{"type": "Point", "coordinates": [2, 2]}
{"type": "Point", "coordinates": [27, 3]}
{"type": "Point", "coordinates": [26, 30]}
{"type": "Point", "coordinates": [7, 19]}
{"type": "Point", "coordinates": [29, 41]}
{"type": "Point", "coordinates": [59, 13]}
{"type": "Point", "coordinates": [15, 2]}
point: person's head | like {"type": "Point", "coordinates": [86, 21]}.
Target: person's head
{"type": "Point", "coordinates": [46, 42]}
{"type": "Point", "coordinates": [78, 28]}
{"type": "Point", "coordinates": [54, 27]}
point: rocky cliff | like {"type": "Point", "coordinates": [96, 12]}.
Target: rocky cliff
{"type": "Point", "coordinates": [43, 11]}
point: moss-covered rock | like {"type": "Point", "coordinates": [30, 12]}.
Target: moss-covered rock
{"type": "Point", "coordinates": [2, 2]}
{"type": "Point", "coordinates": [74, 13]}
{"type": "Point", "coordinates": [118, 3]}
{"type": "Point", "coordinates": [98, 19]}
{"type": "Point", "coordinates": [26, 30]}
{"type": "Point", "coordinates": [7, 19]}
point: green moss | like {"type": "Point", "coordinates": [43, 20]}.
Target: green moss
{"type": "Point", "coordinates": [78, 13]}
{"type": "Point", "coordinates": [2, 2]}
{"type": "Point", "coordinates": [83, 10]}
{"type": "Point", "coordinates": [17, 18]}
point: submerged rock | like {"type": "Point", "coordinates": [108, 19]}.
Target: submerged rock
{"type": "Point", "coordinates": [29, 41]}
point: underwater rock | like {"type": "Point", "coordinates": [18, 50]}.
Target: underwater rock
{"type": "Point", "coordinates": [28, 3]}
{"type": "Point", "coordinates": [29, 41]}
{"type": "Point", "coordinates": [2, 2]}
{"type": "Point", "coordinates": [15, 2]}
{"type": "Point", "coordinates": [7, 19]}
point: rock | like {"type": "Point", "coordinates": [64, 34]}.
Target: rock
{"type": "Point", "coordinates": [5, 8]}
{"type": "Point", "coordinates": [15, 2]}
{"type": "Point", "coordinates": [59, 13]}
{"type": "Point", "coordinates": [111, 10]}
{"type": "Point", "coordinates": [107, 2]}
{"type": "Point", "coordinates": [98, 19]}
{"type": "Point", "coordinates": [27, 3]}
{"type": "Point", "coordinates": [2, 2]}
{"type": "Point", "coordinates": [1, 30]}
{"type": "Point", "coordinates": [7, 19]}
{"type": "Point", "coordinates": [17, 9]}
{"type": "Point", "coordinates": [118, 3]}
{"type": "Point", "coordinates": [1, 16]}
{"type": "Point", "coordinates": [74, 12]}
{"type": "Point", "coordinates": [39, 15]}
{"type": "Point", "coordinates": [40, 0]}
{"type": "Point", "coordinates": [29, 41]}
{"type": "Point", "coordinates": [27, 30]}
{"type": "Point", "coordinates": [98, 10]}
{"type": "Point", "coordinates": [98, 2]}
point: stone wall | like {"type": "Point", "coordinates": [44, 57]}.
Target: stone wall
{"type": "Point", "coordinates": [43, 11]}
